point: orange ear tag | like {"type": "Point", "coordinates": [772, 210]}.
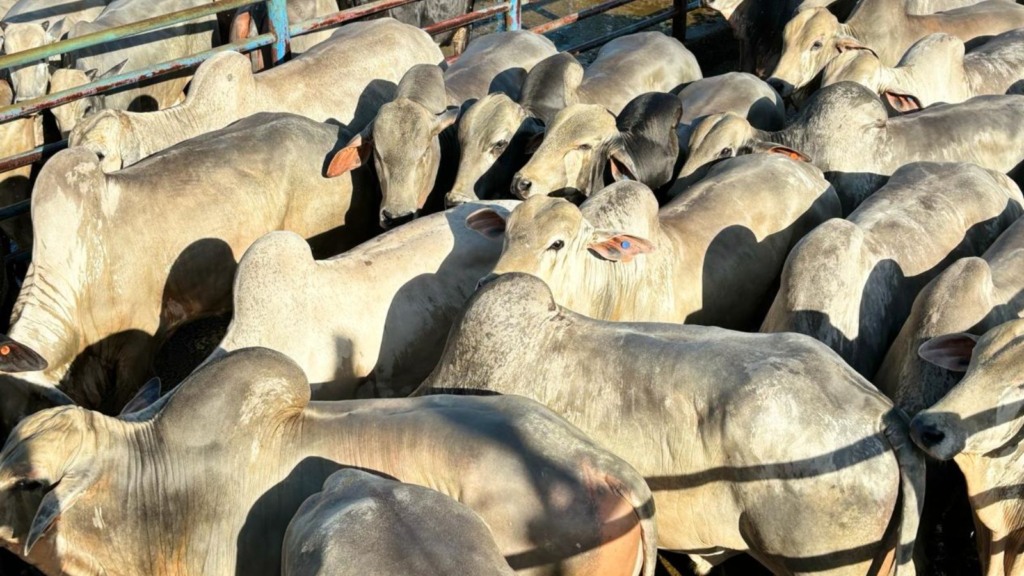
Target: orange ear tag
{"type": "Point", "coordinates": [5, 350]}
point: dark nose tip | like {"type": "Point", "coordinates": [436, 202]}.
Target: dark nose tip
{"type": "Point", "coordinates": [486, 280]}
{"type": "Point", "coordinates": [521, 185]}
{"type": "Point", "coordinates": [925, 434]}
{"type": "Point", "coordinates": [390, 220]}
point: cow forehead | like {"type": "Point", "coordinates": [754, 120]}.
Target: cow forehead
{"type": "Point", "coordinates": [539, 217]}
{"type": "Point", "coordinates": [400, 124]}
{"type": "Point", "coordinates": [580, 121]}
{"type": "Point", "coordinates": [811, 22]}
{"type": "Point", "coordinates": [491, 115]}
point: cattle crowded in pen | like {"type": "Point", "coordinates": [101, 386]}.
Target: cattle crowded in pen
{"type": "Point", "coordinates": [372, 311]}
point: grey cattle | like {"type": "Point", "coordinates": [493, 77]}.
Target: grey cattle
{"type": "Point", "coordinates": [814, 36]}
{"type": "Point", "coordinates": [130, 54]}
{"type": "Point", "coordinates": [120, 260]}
{"type": "Point", "coordinates": [697, 260]}
{"type": "Point", "coordinates": [751, 443]}
{"type": "Point", "coordinates": [935, 69]}
{"type": "Point", "coordinates": [851, 283]}
{"type": "Point", "coordinates": [402, 291]}
{"type": "Point", "coordinates": [38, 11]}
{"type": "Point", "coordinates": [342, 81]}
{"type": "Point", "coordinates": [363, 524]}
{"type": "Point", "coordinates": [973, 295]}
{"type": "Point", "coordinates": [17, 136]}
{"type": "Point", "coordinates": [978, 425]}
{"type": "Point", "coordinates": [29, 80]}
{"type": "Point", "coordinates": [641, 144]}
{"type": "Point", "coordinates": [496, 132]}
{"type": "Point", "coordinates": [845, 130]}
{"type": "Point", "coordinates": [408, 138]}
{"type": "Point", "coordinates": [742, 94]}
{"type": "Point", "coordinates": [205, 481]}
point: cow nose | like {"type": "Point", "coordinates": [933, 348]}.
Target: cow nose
{"type": "Point", "coordinates": [925, 434]}
{"type": "Point", "coordinates": [521, 186]}
{"type": "Point", "coordinates": [487, 280]}
{"type": "Point", "coordinates": [390, 220]}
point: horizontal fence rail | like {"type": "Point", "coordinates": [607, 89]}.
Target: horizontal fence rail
{"type": "Point", "coordinates": [507, 14]}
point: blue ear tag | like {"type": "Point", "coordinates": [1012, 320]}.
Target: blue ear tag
{"type": "Point", "coordinates": [625, 243]}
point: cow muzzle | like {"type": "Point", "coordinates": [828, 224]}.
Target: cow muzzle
{"type": "Point", "coordinates": [389, 220]}
{"type": "Point", "coordinates": [521, 186]}
{"type": "Point", "coordinates": [933, 435]}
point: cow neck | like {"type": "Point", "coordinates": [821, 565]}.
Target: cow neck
{"type": "Point", "coordinates": [42, 320]}
{"type": "Point", "coordinates": [641, 289]}
{"type": "Point", "coordinates": [356, 434]}
{"type": "Point", "coordinates": [156, 131]}
{"type": "Point", "coordinates": [875, 20]}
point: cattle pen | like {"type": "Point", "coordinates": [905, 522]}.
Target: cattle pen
{"type": "Point", "coordinates": [504, 15]}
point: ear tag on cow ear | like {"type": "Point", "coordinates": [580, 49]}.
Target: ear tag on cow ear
{"type": "Point", "coordinates": [625, 244]}
{"type": "Point", "coordinates": [5, 350]}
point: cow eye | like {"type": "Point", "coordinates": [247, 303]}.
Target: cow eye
{"type": "Point", "coordinates": [27, 485]}
{"type": "Point", "coordinates": [556, 245]}
{"type": "Point", "coordinates": [817, 45]}
{"type": "Point", "coordinates": [500, 145]}
{"type": "Point", "coordinates": [584, 147]}
{"type": "Point", "coordinates": [725, 153]}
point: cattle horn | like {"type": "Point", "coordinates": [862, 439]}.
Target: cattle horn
{"type": "Point", "coordinates": [17, 357]}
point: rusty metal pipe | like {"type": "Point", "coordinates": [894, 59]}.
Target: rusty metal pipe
{"type": "Point", "coordinates": [460, 21]}
{"type": "Point", "coordinates": [581, 15]}
{"type": "Point", "coordinates": [651, 20]}
{"type": "Point", "coordinates": [118, 32]}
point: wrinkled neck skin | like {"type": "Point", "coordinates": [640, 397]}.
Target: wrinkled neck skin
{"type": "Point", "coordinates": [993, 486]}
{"type": "Point", "coordinates": [101, 533]}
{"type": "Point", "coordinates": [38, 321]}
{"type": "Point", "coordinates": [644, 289]}
{"type": "Point", "coordinates": [151, 132]}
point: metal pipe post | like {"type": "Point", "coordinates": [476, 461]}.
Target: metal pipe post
{"type": "Point", "coordinates": [514, 16]}
{"type": "Point", "coordinates": [679, 20]}
{"type": "Point", "coordinates": [277, 14]}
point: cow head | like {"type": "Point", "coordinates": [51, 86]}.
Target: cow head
{"type": "Point", "coordinates": [109, 135]}
{"type": "Point", "coordinates": [47, 465]}
{"type": "Point", "coordinates": [494, 136]}
{"type": "Point", "coordinates": [29, 80]}
{"type": "Point", "coordinates": [69, 114]}
{"type": "Point", "coordinates": [572, 156]}
{"type": "Point", "coordinates": [552, 239]}
{"type": "Point", "coordinates": [727, 135]}
{"type": "Point", "coordinates": [984, 411]}
{"type": "Point", "coordinates": [809, 41]}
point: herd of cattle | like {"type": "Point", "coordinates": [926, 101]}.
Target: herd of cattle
{"type": "Point", "coordinates": [517, 314]}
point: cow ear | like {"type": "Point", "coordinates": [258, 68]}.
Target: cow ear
{"type": "Point", "coordinates": [58, 30]}
{"type": "Point", "coordinates": [17, 357]}
{"type": "Point", "coordinates": [773, 148]}
{"type": "Point", "coordinates": [444, 120]}
{"type": "Point", "coordinates": [622, 166]}
{"type": "Point", "coordinates": [846, 43]}
{"type": "Point", "coordinates": [902, 103]}
{"type": "Point", "coordinates": [62, 496]}
{"type": "Point", "coordinates": [487, 223]}
{"type": "Point", "coordinates": [619, 247]}
{"type": "Point", "coordinates": [148, 394]}
{"type": "Point", "coordinates": [91, 74]}
{"type": "Point", "coordinates": [950, 351]}
{"type": "Point", "coordinates": [352, 156]}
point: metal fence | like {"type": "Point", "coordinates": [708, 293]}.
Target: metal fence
{"type": "Point", "coordinates": [507, 15]}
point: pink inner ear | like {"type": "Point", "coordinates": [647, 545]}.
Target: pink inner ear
{"type": "Point", "coordinates": [486, 222]}
{"type": "Point", "coordinates": [952, 351]}
{"type": "Point", "coordinates": [346, 160]}
{"type": "Point", "coordinates": [621, 247]}
{"type": "Point", "coordinates": [902, 103]}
